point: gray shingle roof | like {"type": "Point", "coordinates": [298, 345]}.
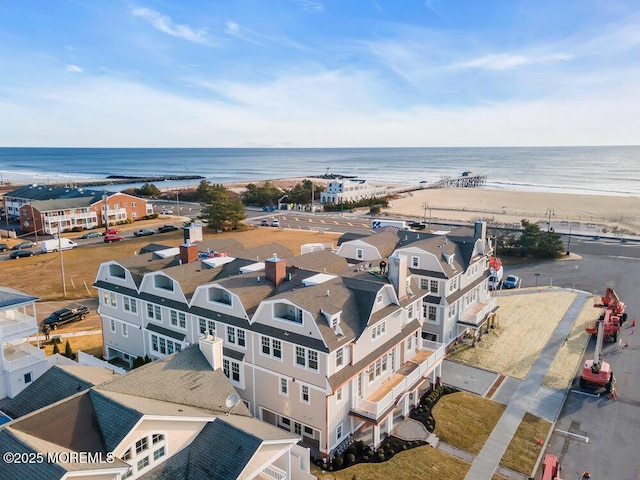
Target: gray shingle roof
{"type": "Point", "coordinates": [13, 298]}
{"type": "Point", "coordinates": [25, 471]}
{"type": "Point", "coordinates": [114, 419]}
{"type": "Point", "coordinates": [52, 386]}
{"type": "Point", "coordinates": [187, 378]}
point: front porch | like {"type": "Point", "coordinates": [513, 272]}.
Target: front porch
{"type": "Point", "coordinates": [476, 315]}
{"type": "Point", "coordinates": [15, 324]}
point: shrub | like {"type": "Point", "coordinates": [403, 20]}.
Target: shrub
{"type": "Point", "coordinates": [56, 349]}
{"type": "Point", "coordinates": [351, 458]}
{"type": "Point", "coordinates": [77, 229]}
{"type": "Point", "coordinates": [352, 449]}
{"type": "Point", "coordinates": [365, 458]}
{"type": "Point", "coordinates": [381, 457]}
{"type": "Point", "coordinates": [338, 461]}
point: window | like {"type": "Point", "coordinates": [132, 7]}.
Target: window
{"type": "Point", "coordinates": [208, 326]}
{"type": "Point", "coordinates": [378, 330]}
{"type": "Point", "coordinates": [143, 463]}
{"type": "Point", "coordinates": [277, 348]}
{"type": "Point", "coordinates": [339, 432]}
{"type": "Point", "coordinates": [162, 282]}
{"type": "Point", "coordinates": [241, 338]}
{"type": "Point", "coordinates": [125, 333]}
{"type": "Point", "coordinates": [300, 357]}
{"type": "Point", "coordinates": [154, 311]}
{"type": "Point", "coordinates": [432, 313]}
{"type": "Point", "coordinates": [126, 455]}
{"type": "Point", "coordinates": [308, 431]}
{"type": "Point", "coordinates": [433, 286]}
{"type": "Point", "coordinates": [313, 359]}
{"type": "Point", "coordinates": [163, 345]}
{"type": "Point", "coordinates": [158, 453]}
{"type": "Point", "coordinates": [376, 369]}
{"type": "Point", "coordinates": [174, 318]}
{"type": "Point", "coordinates": [359, 254]}
{"type": "Point", "coordinates": [339, 357]}
{"type": "Point", "coordinates": [266, 345]}
{"type": "Point", "coordinates": [27, 378]}
{"type": "Point", "coordinates": [142, 445]}
{"type": "Point", "coordinates": [156, 438]}
{"type": "Point", "coordinates": [415, 262]}
{"type": "Point", "coordinates": [297, 428]}
{"type": "Point", "coordinates": [154, 343]}
{"type": "Point", "coordinates": [231, 369]}
{"type": "Point", "coordinates": [452, 310]}
{"type": "Point", "coordinates": [284, 386]}
{"type": "Point", "coordinates": [112, 325]}
{"type": "Point", "coordinates": [112, 299]}
{"type": "Point", "coordinates": [410, 312]}
{"type": "Point", "coordinates": [304, 394]}
{"type": "Point", "coordinates": [182, 320]}
{"type": "Point", "coordinates": [231, 334]}
{"type": "Point", "coordinates": [339, 395]}
{"type": "Point", "coordinates": [130, 305]}
{"type": "Point", "coordinates": [410, 342]}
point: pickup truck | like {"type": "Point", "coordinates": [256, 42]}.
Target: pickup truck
{"type": "Point", "coordinates": [65, 315]}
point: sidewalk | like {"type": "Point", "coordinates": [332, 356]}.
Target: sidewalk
{"type": "Point", "coordinates": [487, 461]}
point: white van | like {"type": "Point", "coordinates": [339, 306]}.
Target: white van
{"type": "Point", "coordinates": [57, 244]}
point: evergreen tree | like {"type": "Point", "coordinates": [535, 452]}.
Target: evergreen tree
{"type": "Point", "coordinates": [219, 210]}
{"type": "Point", "coordinates": [68, 352]}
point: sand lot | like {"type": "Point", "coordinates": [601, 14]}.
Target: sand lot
{"type": "Point", "coordinates": [526, 323]}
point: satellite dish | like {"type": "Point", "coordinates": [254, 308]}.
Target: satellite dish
{"type": "Point", "coordinates": [231, 401]}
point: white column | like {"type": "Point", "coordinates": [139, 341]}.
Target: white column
{"type": "Point", "coordinates": [390, 423]}
{"type": "Point", "coordinates": [288, 462]}
{"type": "Point", "coordinates": [376, 435]}
{"type": "Point", "coordinates": [416, 397]}
{"type": "Point", "coordinates": [405, 405]}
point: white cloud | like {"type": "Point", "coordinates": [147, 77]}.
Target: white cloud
{"type": "Point", "coordinates": [506, 61]}
{"type": "Point", "coordinates": [166, 25]}
{"type": "Point", "coordinates": [73, 68]}
{"type": "Point", "coordinates": [309, 5]}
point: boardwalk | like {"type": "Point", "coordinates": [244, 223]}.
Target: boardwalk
{"type": "Point", "coordinates": [468, 181]}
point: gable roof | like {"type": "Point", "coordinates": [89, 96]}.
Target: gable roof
{"type": "Point", "coordinates": [13, 298]}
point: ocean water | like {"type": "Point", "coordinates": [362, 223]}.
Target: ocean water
{"type": "Point", "coordinates": [598, 170]}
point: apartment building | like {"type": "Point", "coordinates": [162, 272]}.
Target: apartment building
{"type": "Point", "coordinates": [176, 418]}
{"type": "Point", "coordinates": [20, 362]}
{"type": "Point", "coordinates": [349, 190]}
{"type": "Point", "coordinates": [51, 209]}
{"type": "Point", "coordinates": [312, 346]}
{"type": "Point", "coordinates": [451, 270]}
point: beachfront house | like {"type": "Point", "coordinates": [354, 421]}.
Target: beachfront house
{"type": "Point", "coordinates": [20, 362]}
{"type": "Point", "coordinates": [326, 353]}
{"type": "Point", "coordinates": [451, 270]}
{"type": "Point", "coordinates": [349, 190]}
{"type": "Point", "coordinates": [177, 418]}
{"type": "Point", "coordinates": [51, 209]}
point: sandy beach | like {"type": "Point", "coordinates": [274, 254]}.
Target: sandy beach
{"type": "Point", "coordinates": [611, 213]}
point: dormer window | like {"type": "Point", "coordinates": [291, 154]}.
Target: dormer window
{"type": "Point", "coordinates": [415, 262]}
{"type": "Point", "coordinates": [219, 295]}
{"type": "Point", "coordinates": [285, 311]}
{"type": "Point", "coordinates": [163, 282]}
{"type": "Point", "coordinates": [116, 271]}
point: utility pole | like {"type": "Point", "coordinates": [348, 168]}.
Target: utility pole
{"type": "Point", "coordinates": [550, 212]}
{"type": "Point", "coordinates": [35, 224]}
{"type": "Point", "coordinates": [178, 201]}
{"type": "Point", "coordinates": [105, 208]}
{"type": "Point", "coordinates": [64, 285]}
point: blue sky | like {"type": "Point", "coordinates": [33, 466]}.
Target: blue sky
{"type": "Point", "coordinates": [315, 73]}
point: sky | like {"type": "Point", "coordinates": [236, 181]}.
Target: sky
{"type": "Point", "coordinates": [319, 73]}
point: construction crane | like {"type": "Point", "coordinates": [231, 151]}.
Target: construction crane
{"type": "Point", "coordinates": [613, 315]}
{"type": "Point", "coordinates": [597, 373]}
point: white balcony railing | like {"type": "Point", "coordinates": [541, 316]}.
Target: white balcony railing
{"type": "Point", "coordinates": [21, 356]}
{"type": "Point", "coordinates": [19, 325]}
{"type": "Point", "coordinates": [375, 409]}
{"type": "Point", "coordinates": [275, 473]}
{"type": "Point", "coordinates": [476, 313]}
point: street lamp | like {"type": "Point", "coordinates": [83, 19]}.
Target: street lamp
{"type": "Point", "coordinates": [550, 212]}
{"type": "Point", "coordinates": [537, 274]}
{"type": "Point", "coordinates": [575, 273]}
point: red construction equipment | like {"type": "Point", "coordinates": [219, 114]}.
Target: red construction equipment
{"type": "Point", "coordinates": [597, 373]}
{"type": "Point", "coordinates": [550, 467]}
{"type": "Point", "coordinates": [613, 316]}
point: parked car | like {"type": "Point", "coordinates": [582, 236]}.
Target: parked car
{"type": "Point", "coordinates": [65, 315]}
{"type": "Point", "coordinates": [417, 225]}
{"type": "Point", "coordinates": [4, 247]}
{"type": "Point", "coordinates": [512, 281]}
{"type": "Point", "coordinates": [167, 228]}
{"type": "Point", "coordinates": [111, 231]}
{"type": "Point", "coordinates": [90, 235]}
{"type": "Point", "coordinates": [275, 222]}
{"type": "Point", "coordinates": [264, 222]}
{"type": "Point", "coordinates": [112, 238]}
{"type": "Point", "coordinates": [143, 232]}
{"type": "Point", "coordinates": [166, 211]}
{"type": "Point", "coordinates": [23, 245]}
{"type": "Point", "coordinates": [21, 253]}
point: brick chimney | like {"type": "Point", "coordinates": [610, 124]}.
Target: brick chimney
{"type": "Point", "coordinates": [398, 274]}
{"type": "Point", "coordinates": [275, 269]}
{"type": "Point", "coordinates": [211, 348]}
{"type": "Point", "coordinates": [188, 252]}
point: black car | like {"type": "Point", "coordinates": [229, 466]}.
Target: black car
{"type": "Point", "coordinates": [167, 228]}
{"type": "Point", "coordinates": [20, 254]}
{"type": "Point", "coordinates": [65, 315]}
{"type": "Point", "coordinates": [4, 247]}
